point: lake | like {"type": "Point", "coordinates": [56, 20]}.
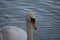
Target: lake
{"type": "Point", "coordinates": [13, 12]}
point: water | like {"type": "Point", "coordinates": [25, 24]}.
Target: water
{"type": "Point", "coordinates": [13, 12]}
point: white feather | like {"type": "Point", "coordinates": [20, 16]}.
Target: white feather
{"type": "Point", "coordinates": [12, 33]}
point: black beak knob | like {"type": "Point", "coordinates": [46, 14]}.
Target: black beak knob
{"type": "Point", "coordinates": [35, 28]}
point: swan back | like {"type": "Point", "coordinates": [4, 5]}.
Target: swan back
{"type": "Point", "coordinates": [12, 33]}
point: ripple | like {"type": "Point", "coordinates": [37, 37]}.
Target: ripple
{"type": "Point", "coordinates": [47, 16]}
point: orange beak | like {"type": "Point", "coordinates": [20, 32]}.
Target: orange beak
{"type": "Point", "coordinates": [34, 25]}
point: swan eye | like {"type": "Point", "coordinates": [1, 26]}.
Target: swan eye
{"type": "Point", "coordinates": [32, 19]}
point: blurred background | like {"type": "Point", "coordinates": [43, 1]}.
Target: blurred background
{"type": "Point", "coordinates": [13, 12]}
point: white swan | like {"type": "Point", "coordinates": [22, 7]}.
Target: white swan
{"type": "Point", "coordinates": [15, 33]}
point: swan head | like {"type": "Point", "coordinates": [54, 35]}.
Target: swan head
{"type": "Point", "coordinates": [31, 19]}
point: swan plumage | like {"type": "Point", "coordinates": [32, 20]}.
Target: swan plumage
{"type": "Point", "coordinates": [12, 33]}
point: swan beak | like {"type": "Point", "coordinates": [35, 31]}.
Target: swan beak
{"type": "Point", "coordinates": [34, 25]}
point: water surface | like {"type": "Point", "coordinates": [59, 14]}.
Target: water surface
{"type": "Point", "coordinates": [13, 12]}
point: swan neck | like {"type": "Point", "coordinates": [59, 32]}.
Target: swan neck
{"type": "Point", "coordinates": [29, 31]}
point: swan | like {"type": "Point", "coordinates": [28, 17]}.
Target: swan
{"type": "Point", "coordinates": [15, 33]}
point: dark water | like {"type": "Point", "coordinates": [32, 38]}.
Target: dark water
{"type": "Point", "coordinates": [13, 12]}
